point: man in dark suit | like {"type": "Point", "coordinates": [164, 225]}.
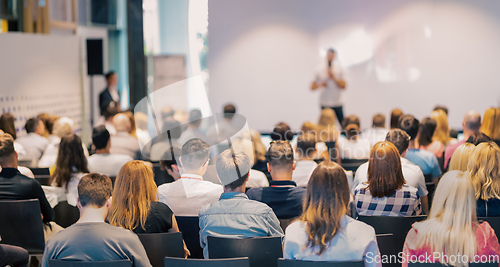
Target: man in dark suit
{"type": "Point", "coordinates": [109, 99]}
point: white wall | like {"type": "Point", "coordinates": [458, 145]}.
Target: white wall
{"type": "Point", "coordinates": [407, 54]}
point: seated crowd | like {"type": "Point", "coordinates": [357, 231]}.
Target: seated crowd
{"type": "Point", "coordinates": [302, 193]}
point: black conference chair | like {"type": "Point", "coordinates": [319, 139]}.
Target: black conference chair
{"type": "Point", "coordinates": [386, 247]}
{"type": "Point", "coordinates": [68, 263]}
{"type": "Point", "coordinates": [234, 262]}
{"type": "Point", "coordinates": [113, 179]}
{"type": "Point", "coordinates": [493, 221]}
{"type": "Point", "coordinates": [261, 251]}
{"type": "Point", "coordinates": [418, 264]}
{"type": "Point", "coordinates": [21, 225]}
{"type": "Point", "coordinates": [40, 171]}
{"type": "Point", "coordinates": [299, 263]}
{"type": "Point", "coordinates": [352, 164]}
{"type": "Point", "coordinates": [190, 229]}
{"type": "Point", "coordinates": [160, 245]}
{"type": "Point", "coordinates": [428, 178]}
{"type": "Point", "coordinates": [398, 226]}
{"type": "Point", "coordinates": [65, 214]}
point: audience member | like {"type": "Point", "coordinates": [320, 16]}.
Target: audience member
{"type": "Point", "coordinates": [225, 127]}
{"type": "Point", "coordinates": [442, 132]}
{"type": "Point", "coordinates": [45, 118]}
{"type": "Point", "coordinates": [470, 125]}
{"type": "Point", "coordinates": [412, 173]}
{"type": "Point", "coordinates": [109, 98]}
{"type": "Point", "coordinates": [324, 232]}
{"type": "Point", "coordinates": [71, 165]}
{"type": "Point", "coordinates": [283, 195]}
{"type": "Point", "coordinates": [353, 147]}
{"type": "Point", "coordinates": [193, 130]}
{"type": "Point", "coordinates": [90, 238]}
{"type": "Point", "coordinates": [327, 136]}
{"type": "Point", "coordinates": [13, 256]}
{"type": "Point", "coordinates": [123, 142]}
{"type": "Point", "coordinates": [305, 164]}
{"type": "Point", "coordinates": [190, 192]}
{"type": "Point", "coordinates": [425, 159]}
{"type": "Point", "coordinates": [256, 178]}
{"type": "Point", "coordinates": [309, 127]}
{"type": "Point", "coordinates": [386, 192]}
{"type": "Point", "coordinates": [169, 161]}
{"type": "Point", "coordinates": [254, 218]}
{"type": "Point", "coordinates": [282, 132]}
{"type": "Point", "coordinates": [170, 133]}
{"type": "Point", "coordinates": [395, 115]}
{"type": "Point", "coordinates": [378, 131]}
{"type": "Point", "coordinates": [491, 124]}
{"type": "Point", "coordinates": [50, 128]}
{"type": "Point", "coordinates": [461, 157]}
{"type": "Point", "coordinates": [34, 142]}
{"type": "Point", "coordinates": [102, 161]}
{"type": "Point", "coordinates": [141, 130]}
{"type": "Point", "coordinates": [478, 138]}
{"type": "Point", "coordinates": [7, 126]}
{"type": "Point", "coordinates": [425, 139]}
{"type": "Point", "coordinates": [484, 170]}
{"type": "Point", "coordinates": [451, 230]}
{"type": "Point", "coordinates": [260, 161]}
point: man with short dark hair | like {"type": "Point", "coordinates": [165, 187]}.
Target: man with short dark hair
{"type": "Point", "coordinates": [187, 195]}
{"type": "Point", "coordinates": [193, 129]}
{"type": "Point", "coordinates": [34, 142]}
{"type": "Point", "coordinates": [169, 162]}
{"type": "Point", "coordinates": [282, 195]}
{"type": "Point", "coordinates": [305, 164]}
{"type": "Point", "coordinates": [91, 238]}
{"type": "Point", "coordinates": [378, 131]}
{"type": "Point", "coordinates": [423, 158]}
{"type": "Point", "coordinates": [102, 161]}
{"type": "Point", "coordinates": [234, 215]}
{"type": "Point", "coordinates": [225, 127]}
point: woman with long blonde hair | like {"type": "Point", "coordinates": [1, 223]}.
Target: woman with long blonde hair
{"type": "Point", "coordinates": [451, 231]}
{"type": "Point", "coordinates": [484, 170]}
{"type": "Point", "coordinates": [442, 132]}
{"type": "Point", "coordinates": [491, 124]}
{"type": "Point", "coordinates": [260, 161]}
{"type": "Point", "coordinates": [460, 158]}
{"type": "Point", "coordinates": [324, 232]}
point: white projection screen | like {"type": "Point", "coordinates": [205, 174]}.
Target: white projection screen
{"type": "Point", "coordinates": [408, 54]}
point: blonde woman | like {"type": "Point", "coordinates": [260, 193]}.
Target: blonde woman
{"type": "Point", "coordinates": [260, 161]}
{"type": "Point", "coordinates": [327, 135]}
{"type": "Point", "coordinates": [442, 132]}
{"type": "Point", "coordinates": [484, 170]}
{"type": "Point", "coordinates": [491, 124]}
{"type": "Point", "coordinates": [451, 231]}
{"type": "Point", "coordinates": [461, 156]}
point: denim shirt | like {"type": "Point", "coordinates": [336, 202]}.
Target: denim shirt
{"type": "Point", "coordinates": [236, 216]}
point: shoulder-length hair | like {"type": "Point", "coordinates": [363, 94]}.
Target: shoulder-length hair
{"type": "Point", "coordinates": [133, 193]}
{"type": "Point", "coordinates": [258, 146]}
{"type": "Point", "coordinates": [426, 131]}
{"type": "Point", "coordinates": [442, 132]}
{"type": "Point", "coordinates": [460, 158]}
{"type": "Point", "coordinates": [491, 123]}
{"type": "Point", "coordinates": [7, 124]}
{"type": "Point", "coordinates": [326, 202]}
{"type": "Point", "coordinates": [70, 159]}
{"type": "Point", "coordinates": [485, 171]}
{"type": "Point", "coordinates": [385, 175]}
{"type": "Point", "coordinates": [326, 126]}
{"type": "Point", "coordinates": [448, 229]}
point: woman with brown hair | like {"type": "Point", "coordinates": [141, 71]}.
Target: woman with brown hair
{"type": "Point", "coordinates": [491, 124]}
{"type": "Point", "coordinates": [324, 232]}
{"type": "Point", "coordinates": [425, 139]}
{"type": "Point", "coordinates": [7, 126]}
{"type": "Point", "coordinates": [386, 192]}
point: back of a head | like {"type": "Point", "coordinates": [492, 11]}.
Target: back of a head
{"type": "Point", "coordinates": [63, 126]}
{"type": "Point", "coordinates": [309, 127]}
{"type": "Point", "coordinates": [327, 118]}
{"type": "Point", "coordinates": [173, 126]}
{"type": "Point", "coordinates": [460, 158]}
{"type": "Point", "coordinates": [410, 125]}
{"type": "Point", "coordinates": [133, 193]}
{"type": "Point", "coordinates": [491, 123]}
{"type": "Point", "coordinates": [32, 125]}
{"type": "Point", "coordinates": [282, 132]}
{"type": "Point", "coordinates": [6, 147]}
{"type": "Point", "coordinates": [244, 145]}
{"type": "Point", "coordinates": [326, 202]}
{"type": "Point", "coordinates": [141, 120]}
{"type": "Point", "coordinates": [195, 154]}
{"type": "Point", "coordinates": [100, 137]}
{"type": "Point", "coordinates": [195, 117]}
{"type": "Point", "coordinates": [94, 189]}
{"type": "Point", "coordinates": [122, 123]}
{"type": "Point", "coordinates": [442, 132]}
{"type": "Point", "coordinates": [259, 148]}
{"type": "Point", "coordinates": [484, 170]}
{"type": "Point", "coordinates": [478, 138]}
{"type": "Point", "coordinates": [233, 168]}
{"type": "Point", "coordinates": [50, 124]}
{"type": "Point", "coordinates": [379, 121]}
{"type": "Point", "coordinates": [7, 124]}
{"type": "Point", "coordinates": [352, 131]}
{"type": "Point", "coordinates": [171, 157]}
{"type": "Point", "coordinates": [399, 138]}
{"type": "Point", "coordinates": [306, 144]}
{"type": "Point", "coordinates": [426, 131]}
{"type": "Point", "coordinates": [442, 108]}
{"type": "Point", "coordinates": [385, 175]}
{"type": "Point", "coordinates": [229, 111]}
{"type": "Point", "coordinates": [351, 119]}
{"type": "Point", "coordinates": [167, 113]}
{"type": "Point", "coordinates": [70, 159]}
{"type": "Point", "coordinates": [472, 121]}
{"type": "Point", "coordinates": [280, 155]}
{"type": "Point", "coordinates": [395, 115]}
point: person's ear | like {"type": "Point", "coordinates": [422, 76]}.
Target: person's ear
{"type": "Point", "coordinates": [174, 168]}
{"type": "Point", "coordinates": [180, 161]}
{"type": "Point", "coordinates": [294, 164]}
{"type": "Point", "coordinates": [269, 167]}
{"type": "Point", "coordinates": [78, 203]}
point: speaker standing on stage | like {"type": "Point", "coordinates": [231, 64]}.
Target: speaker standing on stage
{"type": "Point", "coordinates": [109, 99]}
{"type": "Point", "coordinates": [330, 77]}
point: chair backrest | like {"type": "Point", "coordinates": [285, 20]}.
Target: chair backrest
{"type": "Point", "coordinates": [21, 224]}
{"type": "Point", "coordinates": [416, 264]}
{"type": "Point", "coordinates": [428, 178]}
{"type": "Point", "coordinates": [190, 228]}
{"type": "Point", "coordinates": [494, 223]}
{"type": "Point", "coordinates": [68, 263]}
{"type": "Point", "coordinates": [261, 251]}
{"type": "Point", "coordinates": [386, 245]}
{"type": "Point", "coordinates": [160, 245]}
{"type": "Point", "coordinates": [398, 226]}
{"type": "Point", "coordinates": [40, 171]}
{"type": "Point", "coordinates": [299, 263]}
{"type": "Point", "coordinates": [43, 180]}
{"type": "Point", "coordinates": [234, 262]}
{"type": "Point", "coordinates": [352, 164]}
{"type": "Point", "coordinates": [65, 214]}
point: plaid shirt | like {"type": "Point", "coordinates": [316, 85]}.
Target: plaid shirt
{"type": "Point", "coordinates": [403, 202]}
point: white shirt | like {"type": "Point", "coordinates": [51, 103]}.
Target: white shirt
{"type": "Point", "coordinates": [109, 164]}
{"type": "Point", "coordinates": [186, 196]}
{"type": "Point", "coordinates": [49, 156]}
{"type": "Point", "coordinates": [257, 179]}
{"type": "Point", "coordinates": [353, 242]}
{"type": "Point", "coordinates": [374, 135]}
{"type": "Point", "coordinates": [303, 171]}
{"type": "Point", "coordinates": [71, 194]}
{"type": "Point", "coordinates": [34, 144]}
{"type": "Point", "coordinates": [359, 149]}
{"type": "Point", "coordinates": [331, 96]}
{"type": "Point", "coordinates": [411, 172]}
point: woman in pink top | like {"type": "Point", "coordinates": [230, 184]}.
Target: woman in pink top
{"type": "Point", "coordinates": [452, 233]}
{"type": "Point", "coordinates": [424, 138]}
